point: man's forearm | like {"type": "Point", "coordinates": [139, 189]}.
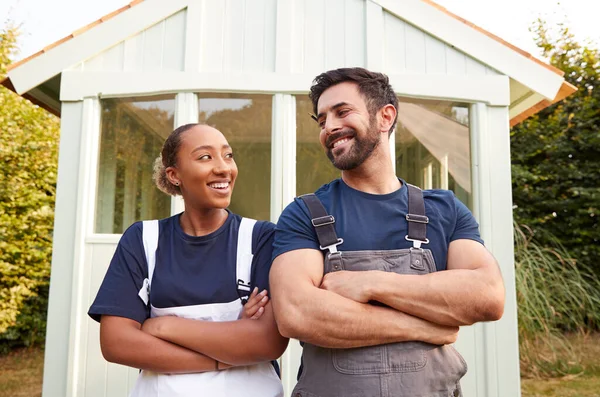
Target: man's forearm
{"type": "Point", "coordinates": [452, 297]}
{"type": "Point", "coordinates": [329, 320]}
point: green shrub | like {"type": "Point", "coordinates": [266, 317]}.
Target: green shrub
{"type": "Point", "coordinates": [556, 153]}
{"type": "Point", "coordinates": [28, 168]}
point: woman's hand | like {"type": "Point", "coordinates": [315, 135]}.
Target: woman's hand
{"type": "Point", "coordinates": [255, 307]}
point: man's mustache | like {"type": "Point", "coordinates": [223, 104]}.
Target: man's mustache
{"type": "Point", "coordinates": [339, 135]}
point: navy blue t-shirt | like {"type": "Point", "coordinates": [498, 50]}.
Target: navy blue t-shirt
{"type": "Point", "coordinates": [376, 222]}
{"type": "Point", "coordinates": [189, 270]}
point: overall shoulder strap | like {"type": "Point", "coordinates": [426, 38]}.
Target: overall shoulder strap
{"type": "Point", "coordinates": [322, 222]}
{"type": "Point", "coordinates": [244, 257]}
{"type": "Point", "coordinates": [417, 220]}
{"type": "Point", "coordinates": [150, 240]}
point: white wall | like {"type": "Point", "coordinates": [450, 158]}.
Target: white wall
{"type": "Point", "coordinates": [65, 220]}
{"type": "Point", "coordinates": [410, 50]}
{"type": "Point", "coordinates": [158, 48]}
{"type": "Point", "coordinates": [239, 36]}
{"type": "Point", "coordinates": [99, 378]}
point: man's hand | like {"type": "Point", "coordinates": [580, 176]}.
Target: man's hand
{"type": "Point", "coordinates": [349, 284]}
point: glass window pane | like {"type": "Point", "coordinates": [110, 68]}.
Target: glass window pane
{"type": "Point", "coordinates": [313, 168]}
{"type": "Point", "coordinates": [245, 120]}
{"type": "Point", "coordinates": [132, 134]}
{"type": "Point", "coordinates": [433, 146]}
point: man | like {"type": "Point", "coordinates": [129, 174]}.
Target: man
{"type": "Point", "coordinates": [375, 276]}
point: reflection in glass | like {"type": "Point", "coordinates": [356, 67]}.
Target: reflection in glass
{"type": "Point", "coordinates": [313, 168]}
{"type": "Point", "coordinates": [245, 120]}
{"type": "Point", "coordinates": [433, 146]}
{"type": "Point", "coordinates": [132, 133]}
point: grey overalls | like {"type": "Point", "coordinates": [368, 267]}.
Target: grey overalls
{"type": "Point", "coordinates": [408, 369]}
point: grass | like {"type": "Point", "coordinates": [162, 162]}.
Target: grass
{"type": "Point", "coordinates": [21, 373]}
{"type": "Point", "coordinates": [569, 386]}
{"type": "Point", "coordinates": [582, 360]}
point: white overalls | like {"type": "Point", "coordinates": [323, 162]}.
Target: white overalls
{"type": "Point", "coordinates": [259, 380]}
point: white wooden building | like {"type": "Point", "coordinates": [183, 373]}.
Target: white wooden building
{"type": "Point", "coordinates": [121, 84]}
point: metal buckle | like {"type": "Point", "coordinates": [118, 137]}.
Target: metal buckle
{"type": "Point", "coordinates": [323, 220]}
{"type": "Point", "coordinates": [333, 247]}
{"type": "Point", "coordinates": [417, 218]}
{"type": "Point", "coordinates": [417, 243]}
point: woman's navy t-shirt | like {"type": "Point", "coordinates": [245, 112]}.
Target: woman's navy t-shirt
{"type": "Point", "coordinates": [189, 270]}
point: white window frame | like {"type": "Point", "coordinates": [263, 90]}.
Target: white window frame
{"type": "Point", "coordinates": [91, 132]}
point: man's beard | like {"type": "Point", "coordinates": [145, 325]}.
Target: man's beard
{"type": "Point", "coordinates": [361, 149]}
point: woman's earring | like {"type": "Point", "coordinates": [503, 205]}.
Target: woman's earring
{"type": "Point", "coordinates": [176, 183]}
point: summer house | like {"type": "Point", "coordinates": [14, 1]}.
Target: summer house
{"type": "Point", "coordinates": [124, 82]}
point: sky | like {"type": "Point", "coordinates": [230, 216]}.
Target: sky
{"type": "Point", "coordinates": [46, 21]}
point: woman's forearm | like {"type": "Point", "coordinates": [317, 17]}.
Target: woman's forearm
{"type": "Point", "coordinates": [240, 342]}
{"type": "Point", "coordinates": [123, 342]}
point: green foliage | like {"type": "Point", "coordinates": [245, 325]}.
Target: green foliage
{"type": "Point", "coordinates": [554, 295]}
{"type": "Point", "coordinates": [556, 154]}
{"type": "Point", "coordinates": [28, 167]}
{"type": "Point", "coordinates": [553, 291]}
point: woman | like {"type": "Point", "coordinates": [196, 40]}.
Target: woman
{"type": "Point", "coordinates": [171, 301]}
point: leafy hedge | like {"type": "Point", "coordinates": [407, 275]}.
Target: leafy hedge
{"type": "Point", "coordinates": [28, 166]}
{"type": "Point", "coordinates": [556, 154]}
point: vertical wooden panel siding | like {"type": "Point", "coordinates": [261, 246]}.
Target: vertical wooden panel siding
{"type": "Point", "coordinates": [411, 50]}
{"type": "Point", "coordinates": [355, 54]}
{"type": "Point", "coordinates": [327, 35]}
{"type": "Point", "coordinates": [242, 36]}
{"type": "Point", "coordinates": [101, 378]}
{"type": "Point", "coordinates": [160, 47]}
{"type": "Point", "coordinates": [173, 54]}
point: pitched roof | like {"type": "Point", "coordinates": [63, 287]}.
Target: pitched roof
{"type": "Point", "coordinates": [498, 39]}
{"type": "Point", "coordinates": [565, 90]}
{"type": "Point", "coordinates": [74, 34]}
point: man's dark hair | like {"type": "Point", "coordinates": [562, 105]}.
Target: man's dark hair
{"type": "Point", "coordinates": [374, 87]}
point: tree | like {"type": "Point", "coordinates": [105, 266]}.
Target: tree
{"type": "Point", "coordinates": [556, 153]}
{"type": "Point", "coordinates": [28, 168]}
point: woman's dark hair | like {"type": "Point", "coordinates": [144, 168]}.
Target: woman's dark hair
{"type": "Point", "coordinates": [168, 158]}
{"type": "Point", "coordinates": [374, 87]}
